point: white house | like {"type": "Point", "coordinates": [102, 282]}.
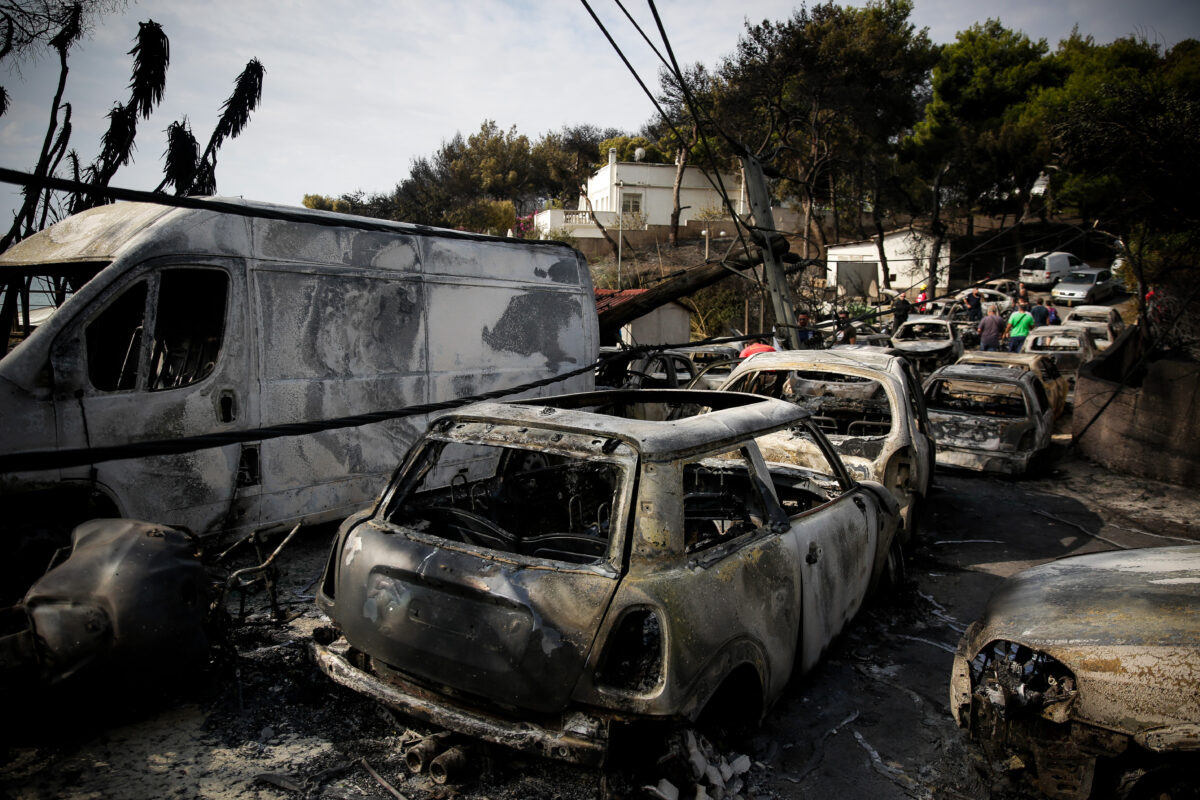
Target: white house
{"type": "Point", "coordinates": [644, 192]}
{"type": "Point", "coordinates": [854, 267]}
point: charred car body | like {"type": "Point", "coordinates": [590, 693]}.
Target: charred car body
{"type": "Point", "coordinates": [869, 405]}
{"type": "Point", "coordinates": [1070, 347]}
{"type": "Point", "coordinates": [1104, 322]}
{"type": "Point", "coordinates": [928, 342]}
{"type": "Point", "coordinates": [1083, 671]}
{"type": "Point", "coordinates": [538, 572]}
{"type": "Point", "coordinates": [988, 419]}
{"type": "Point", "coordinates": [1043, 367]}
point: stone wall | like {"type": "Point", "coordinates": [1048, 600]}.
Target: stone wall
{"type": "Point", "coordinates": [1148, 426]}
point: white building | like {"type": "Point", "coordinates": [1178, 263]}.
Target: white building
{"type": "Point", "coordinates": [644, 192]}
{"type": "Point", "coordinates": [854, 267]}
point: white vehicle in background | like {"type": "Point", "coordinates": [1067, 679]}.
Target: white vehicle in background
{"type": "Point", "coordinates": [868, 404]}
{"type": "Point", "coordinates": [1043, 270]}
{"type": "Point", "coordinates": [988, 297]}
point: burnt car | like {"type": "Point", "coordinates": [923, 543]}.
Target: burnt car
{"type": "Point", "coordinates": [868, 403]}
{"type": "Point", "coordinates": [1082, 675]}
{"type": "Point", "coordinates": [1104, 322]}
{"type": "Point", "coordinates": [1044, 367]}
{"type": "Point", "coordinates": [1070, 347]}
{"type": "Point", "coordinates": [988, 419]}
{"type": "Point", "coordinates": [928, 342]}
{"type": "Point", "coordinates": [539, 574]}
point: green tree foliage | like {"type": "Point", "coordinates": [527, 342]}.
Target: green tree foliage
{"type": "Point", "coordinates": [827, 93]}
{"type": "Point", "coordinates": [627, 147]}
{"type": "Point", "coordinates": [1125, 131]}
{"type": "Point", "coordinates": [977, 131]}
{"type": "Point", "coordinates": [564, 159]}
{"type": "Point", "coordinates": [485, 181]}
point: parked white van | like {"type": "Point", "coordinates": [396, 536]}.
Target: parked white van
{"type": "Point", "coordinates": [186, 322]}
{"type": "Point", "coordinates": [1043, 270]}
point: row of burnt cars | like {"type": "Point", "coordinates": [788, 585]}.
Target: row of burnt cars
{"type": "Point", "coordinates": [547, 574]}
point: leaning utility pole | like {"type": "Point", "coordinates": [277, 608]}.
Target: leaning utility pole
{"type": "Point", "coordinates": [763, 234]}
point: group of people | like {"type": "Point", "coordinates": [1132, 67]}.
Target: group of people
{"type": "Point", "coordinates": [993, 328]}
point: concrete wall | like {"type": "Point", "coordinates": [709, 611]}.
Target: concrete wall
{"type": "Point", "coordinates": [1151, 429]}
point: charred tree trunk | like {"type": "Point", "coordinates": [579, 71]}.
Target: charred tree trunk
{"type": "Point", "coordinates": [680, 168]}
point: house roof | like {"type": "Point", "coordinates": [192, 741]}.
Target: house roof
{"type": "Point", "coordinates": [608, 299]}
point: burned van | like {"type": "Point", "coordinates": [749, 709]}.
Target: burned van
{"type": "Point", "coordinates": [175, 322]}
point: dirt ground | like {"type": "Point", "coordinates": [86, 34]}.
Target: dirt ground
{"type": "Point", "coordinates": [871, 720]}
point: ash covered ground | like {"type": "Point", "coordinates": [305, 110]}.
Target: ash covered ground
{"type": "Point", "coordinates": [871, 720]}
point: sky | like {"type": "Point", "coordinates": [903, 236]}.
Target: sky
{"type": "Point", "coordinates": [354, 91]}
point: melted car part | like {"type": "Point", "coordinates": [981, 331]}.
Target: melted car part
{"type": "Point", "coordinates": [131, 596]}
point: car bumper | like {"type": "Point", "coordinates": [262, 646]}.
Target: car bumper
{"type": "Point", "coordinates": [983, 460]}
{"type": "Point", "coordinates": [574, 736]}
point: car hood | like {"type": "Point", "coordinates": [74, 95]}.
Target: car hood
{"type": "Point", "coordinates": [1125, 623]}
{"type": "Point", "coordinates": [1072, 286]}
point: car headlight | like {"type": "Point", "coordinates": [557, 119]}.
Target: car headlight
{"type": "Point", "coordinates": [1019, 681]}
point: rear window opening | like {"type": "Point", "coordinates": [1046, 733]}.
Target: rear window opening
{"type": "Point", "coordinates": [843, 406]}
{"type": "Point", "coordinates": [923, 332]}
{"type": "Point", "coordinates": [974, 397]}
{"type": "Point", "coordinates": [1055, 344]}
{"type": "Point", "coordinates": [512, 500]}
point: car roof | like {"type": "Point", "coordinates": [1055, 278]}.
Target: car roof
{"type": "Point", "coordinates": [735, 417]}
{"type": "Point", "coordinates": [981, 372]}
{"type": "Point", "coordinates": [1053, 330]}
{"type": "Point", "coordinates": [1022, 359]}
{"type": "Point", "coordinates": [1089, 269]}
{"type": "Point", "coordinates": [850, 356]}
{"type": "Point", "coordinates": [1089, 309]}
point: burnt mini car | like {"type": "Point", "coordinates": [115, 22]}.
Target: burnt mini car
{"type": "Point", "coordinates": [539, 573]}
{"type": "Point", "coordinates": [988, 419]}
{"type": "Point", "coordinates": [1082, 675]}
{"type": "Point", "coordinates": [928, 342]}
{"type": "Point", "coordinates": [868, 403]}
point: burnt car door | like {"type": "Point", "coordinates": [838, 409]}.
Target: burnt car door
{"type": "Point", "coordinates": [842, 536]}
{"type": "Point", "coordinates": [160, 355]}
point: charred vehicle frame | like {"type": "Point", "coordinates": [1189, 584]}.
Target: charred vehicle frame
{"type": "Point", "coordinates": [540, 573]}
{"type": "Point", "coordinates": [1082, 675]}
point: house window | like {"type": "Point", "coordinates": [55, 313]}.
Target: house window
{"type": "Point", "coordinates": [631, 203]}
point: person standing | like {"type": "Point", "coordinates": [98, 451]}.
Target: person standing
{"type": "Point", "coordinates": [810, 339]}
{"type": "Point", "coordinates": [900, 311]}
{"type": "Point", "coordinates": [990, 329]}
{"type": "Point", "coordinates": [1019, 325]}
{"type": "Point", "coordinates": [974, 302]}
{"type": "Point", "coordinates": [922, 298]}
{"type": "Point", "coordinates": [1040, 314]}
{"type": "Point", "coordinates": [844, 333]}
